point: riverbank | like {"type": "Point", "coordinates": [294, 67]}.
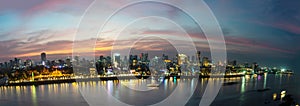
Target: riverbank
{"type": "Point", "coordinates": [57, 81]}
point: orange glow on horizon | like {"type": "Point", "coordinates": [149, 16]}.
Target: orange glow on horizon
{"type": "Point", "coordinates": [67, 51]}
{"type": "Point", "coordinates": [47, 52]}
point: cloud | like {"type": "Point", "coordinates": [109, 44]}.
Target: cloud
{"type": "Point", "coordinates": [46, 5]}
{"type": "Point", "coordinates": [52, 34]}
{"type": "Point", "coordinates": [231, 41]}
{"type": "Point", "coordinates": [40, 41]}
{"type": "Point", "coordinates": [17, 5]}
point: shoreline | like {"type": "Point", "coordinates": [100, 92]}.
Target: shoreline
{"type": "Point", "coordinates": [58, 81]}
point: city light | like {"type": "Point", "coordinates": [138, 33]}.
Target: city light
{"type": "Point", "coordinates": [150, 52]}
{"type": "Point", "coordinates": [274, 96]}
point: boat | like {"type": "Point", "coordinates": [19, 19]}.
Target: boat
{"type": "Point", "coordinates": [3, 81]}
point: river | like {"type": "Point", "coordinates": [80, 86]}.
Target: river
{"type": "Point", "coordinates": [242, 91]}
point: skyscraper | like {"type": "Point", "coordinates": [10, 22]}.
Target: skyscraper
{"type": "Point", "coordinates": [116, 59]}
{"type": "Point", "coordinates": [199, 58]}
{"type": "Point", "coordinates": [144, 57]}
{"type": "Point", "coordinates": [68, 62]}
{"type": "Point", "coordinates": [43, 58]}
{"type": "Point", "coordinates": [181, 59]}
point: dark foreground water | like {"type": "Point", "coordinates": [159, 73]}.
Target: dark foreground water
{"type": "Point", "coordinates": [243, 91]}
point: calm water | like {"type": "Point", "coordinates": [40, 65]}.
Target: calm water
{"type": "Point", "coordinates": [244, 92]}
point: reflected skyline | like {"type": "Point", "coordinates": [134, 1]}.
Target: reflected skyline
{"type": "Point", "coordinates": [245, 91]}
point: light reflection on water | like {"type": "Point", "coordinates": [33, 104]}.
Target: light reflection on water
{"type": "Point", "coordinates": [242, 93]}
{"type": "Point", "coordinates": [243, 85]}
{"type": "Point", "coordinates": [34, 98]}
{"type": "Point", "coordinates": [42, 95]}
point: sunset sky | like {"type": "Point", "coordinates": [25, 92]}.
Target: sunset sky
{"type": "Point", "coordinates": [266, 31]}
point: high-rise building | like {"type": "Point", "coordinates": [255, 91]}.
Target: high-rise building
{"type": "Point", "coordinates": [165, 57]}
{"type": "Point", "coordinates": [116, 59]}
{"type": "Point", "coordinates": [181, 59]}
{"type": "Point", "coordinates": [43, 57]}
{"type": "Point", "coordinates": [133, 60]}
{"type": "Point", "coordinates": [144, 57]}
{"type": "Point", "coordinates": [198, 58]}
{"type": "Point", "coordinates": [205, 62]}
{"type": "Point", "coordinates": [68, 62]}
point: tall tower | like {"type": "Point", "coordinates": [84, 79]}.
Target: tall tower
{"type": "Point", "coordinates": [116, 59]}
{"type": "Point", "coordinates": [199, 58]}
{"type": "Point", "coordinates": [43, 58]}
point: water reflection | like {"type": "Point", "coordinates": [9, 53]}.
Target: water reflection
{"type": "Point", "coordinates": [274, 96]}
{"type": "Point", "coordinates": [33, 95]}
{"type": "Point", "coordinates": [265, 80]}
{"type": "Point", "coordinates": [243, 85]}
{"type": "Point", "coordinates": [241, 93]}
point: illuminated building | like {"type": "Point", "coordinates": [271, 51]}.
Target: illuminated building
{"type": "Point", "coordinates": [181, 59]}
{"type": "Point", "coordinates": [133, 60]}
{"type": "Point", "coordinates": [205, 62]}
{"type": "Point", "coordinates": [43, 58]}
{"type": "Point", "coordinates": [93, 71]}
{"type": "Point", "coordinates": [116, 59]}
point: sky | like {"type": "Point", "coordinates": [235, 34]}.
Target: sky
{"type": "Point", "coordinates": [266, 31]}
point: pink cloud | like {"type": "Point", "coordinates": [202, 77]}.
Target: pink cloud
{"type": "Point", "coordinates": [286, 26]}
{"type": "Point", "coordinates": [53, 5]}
{"type": "Point", "coordinates": [46, 5]}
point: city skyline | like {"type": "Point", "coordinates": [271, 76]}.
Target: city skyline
{"type": "Point", "coordinates": [149, 52]}
{"type": "Point", "coordinates": [250, 32]}
{"type": "Point", "coordinates": [191, 59]}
